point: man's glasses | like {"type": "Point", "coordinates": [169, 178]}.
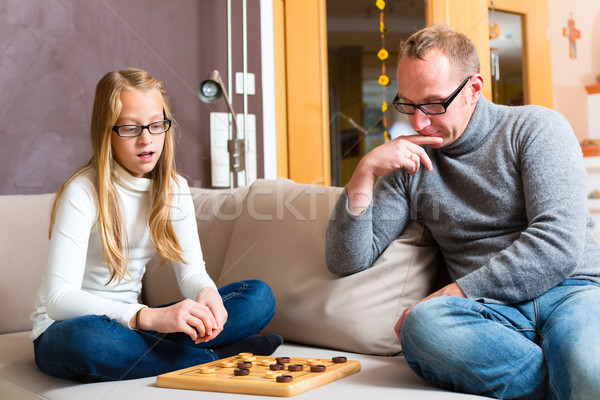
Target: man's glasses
{"type": "Point", "coordinates": [428, 108]}
{"type": "Point", "coordinates": [136, 130]}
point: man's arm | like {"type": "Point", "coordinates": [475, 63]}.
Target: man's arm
{"type": "Point", "coordinates": [362, 226]}
{"type": "Point", "coordinates": [403, 152]}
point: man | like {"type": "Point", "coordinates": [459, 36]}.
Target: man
{"type": "Point", "coordinates": [503, 194]}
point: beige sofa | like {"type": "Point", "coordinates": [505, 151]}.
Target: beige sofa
{"type": "Point", "coordinates": [272, 230]}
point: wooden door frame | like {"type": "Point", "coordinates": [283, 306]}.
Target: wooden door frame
{"type": "Point", "coordinates": [537, 81]}
{"type": "Point", "coordinates": [471, 18]}
{"type": "Point", "coordinates": [301, 81]}
{"type": "Point", "coordinates": [280, 88]}
{"type": "Point", "coordinates": [302, 108]}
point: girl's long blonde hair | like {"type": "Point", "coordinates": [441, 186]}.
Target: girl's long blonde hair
{"type": "Point", "coordinates": [107, 107]}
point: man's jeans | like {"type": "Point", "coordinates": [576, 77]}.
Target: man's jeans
{"type": "Point", "coordinates": [546, 348]}
{"type": "Point", "coordinates": [97, 348]}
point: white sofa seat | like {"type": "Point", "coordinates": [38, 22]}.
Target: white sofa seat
{"type": "Point", "coordinates": [379, 378]}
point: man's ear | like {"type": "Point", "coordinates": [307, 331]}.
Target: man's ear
{"type": "Point", "coordinates": [476, 88]}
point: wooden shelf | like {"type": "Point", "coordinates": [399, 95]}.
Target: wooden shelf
{"type": "Point", "coordinates": [593, 89]}
{"type": "Point", "coordinates": [590, 151]}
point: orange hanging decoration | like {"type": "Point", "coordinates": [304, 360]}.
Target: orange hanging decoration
{"type": "Point", "coordinates": [383, 55]}
{"type": "Point", "coordinates": [384, 80]}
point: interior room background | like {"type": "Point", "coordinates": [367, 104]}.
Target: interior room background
{"type": "Point", "coordinates": [53, 52]}
{"type": "Point", "coordinates": [355, 96]}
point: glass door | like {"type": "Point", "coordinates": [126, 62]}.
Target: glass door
{"type": "Point", "coordinates": [506, 58]}
{"type": "Point", "coordinates": [356, 93]}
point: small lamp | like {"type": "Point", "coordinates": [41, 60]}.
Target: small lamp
{"type": "Point", "coordinates": [210, 91]}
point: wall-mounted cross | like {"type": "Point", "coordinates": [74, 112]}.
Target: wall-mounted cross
{"type": "Point", "coordinates": [573, 34]}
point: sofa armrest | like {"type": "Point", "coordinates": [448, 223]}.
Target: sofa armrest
{"type": "Point", "coordinates": [24, 242]}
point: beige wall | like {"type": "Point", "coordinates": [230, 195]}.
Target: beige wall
{"type": "Point", "coordinates": [570, 76]}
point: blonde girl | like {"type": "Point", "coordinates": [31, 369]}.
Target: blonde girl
{"type": "Point", "coordinates": [108, 220]}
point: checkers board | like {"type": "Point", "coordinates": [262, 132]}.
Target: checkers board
{"type": "Point", "coordinates": [218, 376]}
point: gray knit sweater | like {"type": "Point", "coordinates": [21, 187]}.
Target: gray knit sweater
{"type": "Point", "coordinates": [506, 203]}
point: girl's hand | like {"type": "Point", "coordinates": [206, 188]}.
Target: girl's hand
{"type": "Point", "coordinates": [212, 299]}
{"type": "Point", "coordinates": [188, 316]}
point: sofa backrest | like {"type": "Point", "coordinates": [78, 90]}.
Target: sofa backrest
{"type": "Point", "coordinates": [24, 246]}
{"type": "Point", "coordinates": [275, 231]}
{"type": "Point", "coordinates": [24, 242]}
{"type": "Point", "coordinates": [280, 238]}
{"type": "Point", "coordinates": [216, 213]}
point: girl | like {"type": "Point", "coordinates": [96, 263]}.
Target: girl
{"type": "Point", "coordinates": [107, 222]}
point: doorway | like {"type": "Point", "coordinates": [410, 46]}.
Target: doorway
{"type": "Point", "coordinates": [354, 68]}
{"type": "Point", "coordinates": [304, 119]}
{"type": "Point", "coordinates": [506, 58]}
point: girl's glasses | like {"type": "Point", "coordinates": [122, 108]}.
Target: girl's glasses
{"type": "Point", "coordinates": [136, 130]}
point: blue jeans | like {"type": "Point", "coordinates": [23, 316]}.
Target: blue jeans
{"type": "Point", "coordinates": [546, 348]}
{"type": "Point", "coordinates": [96, 348]}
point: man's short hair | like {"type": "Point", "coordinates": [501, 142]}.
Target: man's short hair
{"type": "Point", "coordinates": [458, 47]}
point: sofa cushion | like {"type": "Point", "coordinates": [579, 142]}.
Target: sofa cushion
{"type": "Point", "coordinates": [280, 239]}
{"type": "Point", "coordinates": [216, 212]}
{"type": "Point", "coordinates": [24, 235]}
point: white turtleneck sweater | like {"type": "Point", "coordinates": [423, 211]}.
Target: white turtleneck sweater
{"type": "Point", "coordinates": [76, 274]}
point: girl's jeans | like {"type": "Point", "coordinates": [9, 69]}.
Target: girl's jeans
{"type": "Point", "coordinates": [546, 348]}
{"type": "Point", "coordinates": [97, 348]}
